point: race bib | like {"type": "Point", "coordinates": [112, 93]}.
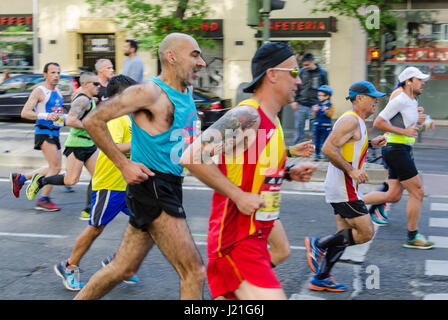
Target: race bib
{"type": "Point", "coordinates": [270, 192]}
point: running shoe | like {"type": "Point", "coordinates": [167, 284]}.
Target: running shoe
{"type": "Point", "coordinates": [326, 284]}
{"type": "Point", "coordinates": [33, 188]}
{"type": "Point", "coordinates": [382, 210]}
{"type": "Point", "coordinates": [85, 216]}
{"type": "Point", "coordinates": [313, 253]}
{"type": "Point", "coordinates": [419, 242]}
{"type": "Point", "coordinates": [69, 275]}
{"type": "Point", "coordinates": [378, 219]}
{"type": "Point", "coordinates": [16, 185]}
{"type": "Point", "coordinates": [46, 205]}
{"type": "Point", "coordinates": [131, 280]}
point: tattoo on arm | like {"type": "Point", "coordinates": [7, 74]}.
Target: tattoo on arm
{"type": "Point", "coordinates": [79, 107]}
{"type": "Point", "coordinates": [229, 133]}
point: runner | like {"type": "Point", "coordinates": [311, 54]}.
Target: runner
{"type": "Point", "coordinates": [80, 150]}
{"type": "Point", "coordinates": [45, 106]}
{"type": "Point", "coordinates": [402, 118]}
{"type": "Point", "coordinates": [108, 193]}
{"type": "Point", "coordinates": [161, 108]}
{"type": "Point", "coordinates": [346, 149]}
{"type": "Point", "coordinates": [248, 178]}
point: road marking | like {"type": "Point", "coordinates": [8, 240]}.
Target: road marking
{"type": "Point", "coordinates": [439, 242]}
{"type": "Point", "coordinates": [436, 267]}
{"type": "Point", "coordinates": [439, 206]}
{"type": "Point", "coordinates": [438, 222]}
{"type": "Point", "coordinates": [436, 296]}
{"type": "Point", "coordinates": [32, 235]}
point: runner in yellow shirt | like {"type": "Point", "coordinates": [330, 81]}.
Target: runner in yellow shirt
{"type": "Point", "coordinates": [108, 194]}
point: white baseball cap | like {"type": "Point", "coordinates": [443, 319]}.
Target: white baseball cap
{"type": "Point", "coordinates": [412, 72]}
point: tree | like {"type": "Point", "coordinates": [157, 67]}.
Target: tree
{"type": "Point", "coordinates": [150, 23]}
{"type": "Point", "coordinates": [375, 17]}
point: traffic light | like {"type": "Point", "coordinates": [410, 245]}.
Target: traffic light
{"type": "Point", "coordinates": [375, 55]}
{"type": "Point", "coordinates": [388, 46]}
{"type": "Point", "coordinates": [255, 6]}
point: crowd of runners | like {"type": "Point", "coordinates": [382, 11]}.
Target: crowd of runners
{"type": "Point", "coordinates": [242, 157]}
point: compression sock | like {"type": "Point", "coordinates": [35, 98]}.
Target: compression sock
{"type": "Point", "coordinates": [332, 256]}
{"type": "Point", "coordinates": [341, 238]}
{"type": "Point", "coordinates": [44, 199]}
{"type": "Point", "coordinates": [57, 180]}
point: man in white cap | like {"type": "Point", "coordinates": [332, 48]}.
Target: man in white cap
{"type": "Point", "coordinates": [402, 118]}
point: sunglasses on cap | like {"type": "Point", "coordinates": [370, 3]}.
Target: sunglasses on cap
{"type": "Point", "coordinates": [293, 72]}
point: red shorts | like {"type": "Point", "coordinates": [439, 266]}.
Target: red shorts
{"type": "Point", "coordinates": [248, 260]}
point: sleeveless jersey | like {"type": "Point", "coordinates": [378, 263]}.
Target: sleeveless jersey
{"type": "Point", "coordinates": [52, 103]}
{"type": "Point", "coordinates": [260, 169]}
{"type": "Point", "coordinates": [80, 137]}
{"type": "Point", "coordinates": [339, 187]}
{"type": "Point", "coordinates": [162, 152]}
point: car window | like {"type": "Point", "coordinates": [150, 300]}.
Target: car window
{"type": "Point", "coordinates": [33, 82]}
{"type": "Point", "coordinates": [14, 84]}
{"type": "Point", "coordinates": [65, 86]}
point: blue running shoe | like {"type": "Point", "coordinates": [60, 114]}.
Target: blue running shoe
{"type": "Point", "coordinates": [131, 280]}
{"type": "Point", "coordinates": [326, 284]}
{"type": "Point", "coordinates": [382, 210]}
{"type": "Point", "coordinates": [313, 253]}
{"type": "Point", "coordinates": [69, 275]}
{"type": "Point", "coordinates": [378, 219]}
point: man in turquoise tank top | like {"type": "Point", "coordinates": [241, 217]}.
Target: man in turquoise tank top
{"type": "Point", "coordinates": [163, 115]}
{"type": "Point", "coordinates": [80, 149]}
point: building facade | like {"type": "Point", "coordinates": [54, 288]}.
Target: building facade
{"type": "Point", "coordinates": [67, 32]}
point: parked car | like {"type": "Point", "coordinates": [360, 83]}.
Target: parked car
{"type": "Point", "coordinates": [14, 92]}
{"type": "Point", "coordinates": [210, 107]}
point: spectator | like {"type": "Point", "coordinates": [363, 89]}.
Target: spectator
{"type": "Point", "coordinates": [133, 64]}
{"type": "Point", "coordinates": [306, 96]}
{"type": "Point", "coordinates": [322, 112]}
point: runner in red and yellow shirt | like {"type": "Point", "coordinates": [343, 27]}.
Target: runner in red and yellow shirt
{"type": "Point", "coordinates": [251, 155]}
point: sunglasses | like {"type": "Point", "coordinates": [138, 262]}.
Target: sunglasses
{"type": "Point", "coordinates": [96, 84]}
{"type": "Point", "coordinates": [293, 72]}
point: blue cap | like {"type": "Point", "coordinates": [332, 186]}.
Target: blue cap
{"type": "Point", "coordinates": [326, 89]}
{"type": "Point", "coordinates": [364, 87]}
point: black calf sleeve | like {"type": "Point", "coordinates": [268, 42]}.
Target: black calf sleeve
{"type": "Point", "coordinates": [341, 238]}
{"type": "Point", "coordinates": [57, 180]}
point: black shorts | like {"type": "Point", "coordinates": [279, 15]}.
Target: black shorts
{"type": "Point", "coordinates": [400, 161]}
{"type": "Point", "coordinates": [350, 209]}
{"type": "Point", "coordinates": [81, 153]}
{"type": "Point", "coordinates": [146, 200]}
{"type": "Point", "coordinates": [40, 138]}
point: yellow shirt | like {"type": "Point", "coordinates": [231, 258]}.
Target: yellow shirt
{"type": "Point", "coordinates": [107, 176]}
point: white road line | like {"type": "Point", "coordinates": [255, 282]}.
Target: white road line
{"type": "Point", "coordinates": [440, 242]}
{"type": "Point", "coordinates": [32, 235]}
{"type": "Point", "coordinates": [436, 296]}
{"type": "Point", "coordinates": [438, 222]}
{"type": "Point", "coordinates": [436, 267]}
{"type": "Point", "coordinates": [439, 206]}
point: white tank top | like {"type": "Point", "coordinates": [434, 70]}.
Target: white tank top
{"type": "Point", "coordinates": [339, 187]}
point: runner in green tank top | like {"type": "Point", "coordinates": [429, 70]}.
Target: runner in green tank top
{"type": "Point", "coordinates": [80, 150]}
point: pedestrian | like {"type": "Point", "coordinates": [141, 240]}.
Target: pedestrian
{"type": "Point", "coordinates": [108, 193]}
{"type": "Point", "coordinates": [160, 108]}
{"type": "Point", "coordinates": [402, 119]}
{"type": "Point", "coordinates": [80, 150]}
{"type": "Point", "coordinates": [248, 142]}
{"type": "Point", "coordinates": [133, 64]}
{"type": "Point", "coordinates": [346, 149]}
{"type": "Point", "coordinates": [312, 77]}
{"type": "Point", "coordinates": [44, 105]}
{"type": "Point", "coordinates": [322, 113]}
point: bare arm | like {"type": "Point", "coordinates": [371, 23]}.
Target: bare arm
{"type": "Point", "coordinates": [382, 124]}
{"type": "Point", "coordinates": [244, 122]}
{"type": "Point", "coordinates": [342, 133]}
{"type": "Point", "coordinates": [133, 99]}
{"type": "Point", "coordinates": [28, 112]}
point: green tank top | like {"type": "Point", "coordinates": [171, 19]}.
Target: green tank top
{"type": "Point", "coordinates": [80, 137]}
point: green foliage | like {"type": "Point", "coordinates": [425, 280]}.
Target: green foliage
{"type": "Point", "coordinates": [151, 22]}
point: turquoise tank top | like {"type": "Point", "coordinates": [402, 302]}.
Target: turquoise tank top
{"type": "Point", "coordinates": [162, 152]}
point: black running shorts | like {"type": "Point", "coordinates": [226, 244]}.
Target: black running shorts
{"type": "Point", "coordinates": [350, 209]}
{"type": "Point", "coordinates": [81, 153]}
{"type": "Point", "coordinates": [146, 200]}
{"type": "Point", "coordinates": [400, 161]}
{"type": "Point", "coordinates": [40, 138]}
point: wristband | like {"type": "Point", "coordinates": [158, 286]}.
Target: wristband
{"type": "Point", "coordinates": [287, 175]}
{"type": "Point", "coordinates": [42, 116]}
{"type": "Point", "coordinates": [288, 153]}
